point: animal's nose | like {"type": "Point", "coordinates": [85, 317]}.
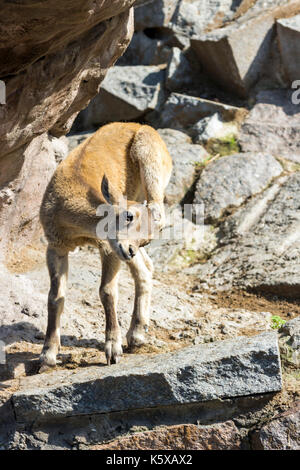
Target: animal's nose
{"type": "Point", "coordinates": [131, 252]}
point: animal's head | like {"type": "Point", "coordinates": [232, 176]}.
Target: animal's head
{"type": "Point", "coordinates": [128, 225]}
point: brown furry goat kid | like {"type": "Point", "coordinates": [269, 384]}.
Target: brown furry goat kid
{"type": "Point", "coordinates": [118, 167]}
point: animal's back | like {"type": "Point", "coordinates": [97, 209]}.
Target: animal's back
{"type": "Point", "coordinates": [108, 152]}
{"type": "Point", "coordinates": [76, 185]}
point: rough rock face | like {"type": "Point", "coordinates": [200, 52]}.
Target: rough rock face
{"type": "Point", "coordinates": [235, 55]}
{"type": "Point", "coordinates": [229, 181]}
{"type": "Point", "coordinates": [197, 16]}
{"type": "Point", "coordinates": [157, 13]}
{"type": "Point", "coordinates": [223, 436]}
{"type": "Point", "coordinates": [282, 433]}
{"type": "Point", "coordinates": [243, 366]}
{"type": "Point", "coordinates": [183, 111]}
{"type": "Point", "coordinates": [24, 174]}
{"type": "Point", "coordinates": [289, 336]}
{"type": "Point", "coordinates": [288, 36]}
{"type": "Point", "coordinates": [179, 234]}
{"type": "Point", "coordinates": [213, 127]}
{"type": "Point", "coordinates": [185, 158]}
{"type": "Point", "coordinates": [179, 73]}
{"type": "Point", "coordinates": [126, 94]}
{"type": "Point", "coordinates": [231, 58]}
{"type": "Point", "coordinates": [51, 68]}
{"type": "Point", "coordinates": [273, 125]}
{"type": "Point", "coordinates": [174, 137]}
{"type": "Point", "coordinates": [145, 51]}
{"type": "Point", "coordinates": [292, 329]}
{"type": "Point", "coordinates": [261, 250]}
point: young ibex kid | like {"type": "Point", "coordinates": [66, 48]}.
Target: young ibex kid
{"type": "Point", "coordinates": [121, 165]}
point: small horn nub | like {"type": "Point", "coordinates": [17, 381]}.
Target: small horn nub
{"type": "Point", "coordinates": [105, 189]}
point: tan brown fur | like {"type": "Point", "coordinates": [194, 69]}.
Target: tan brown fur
{"type": "Point", "coordinates": [135, 162]}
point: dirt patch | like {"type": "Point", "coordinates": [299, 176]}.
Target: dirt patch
{"type": "Point", "coordinates": [286, 309]}
{"type": "Point", "coordinates": [23, 357]}
{"type": "Point", "coordinates": [192, 316]}
{"type": "Point", "coordinates": [25, 259]}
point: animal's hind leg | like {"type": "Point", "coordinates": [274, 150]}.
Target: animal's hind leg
{"type": "Point", "coordinates": [109, 298]}
{"type": "Point", "coordinates": [57, 262]}
{"type": "Point", "coordinates": [141, 269]}
{"type": "Point", "coordinates": [150, 153]}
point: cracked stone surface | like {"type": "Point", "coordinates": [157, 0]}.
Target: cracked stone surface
{"type": "Point", "coordinates": [273, 125]}
{"type": "Point", "coordinates": [230, 181]}
{"type": "Point", "coordinates": [261, 250]}
{"type": "Point", "coordinates": [282, 433]}
{"type": "Point", "coordinates": [230, 368]}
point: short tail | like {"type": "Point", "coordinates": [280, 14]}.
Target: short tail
{"type": "Point", "coordinates": [154, 160]}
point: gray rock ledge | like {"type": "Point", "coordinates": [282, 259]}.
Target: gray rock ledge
{"type": "Point", "coordinates": [231, 368]}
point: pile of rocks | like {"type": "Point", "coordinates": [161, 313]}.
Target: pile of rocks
{"type": "Point", "coordinates": [222, 392]}
{"type": "Point", "coordinates": [184, 50]}
{"type": "Point", "coordinates": [194, 73]}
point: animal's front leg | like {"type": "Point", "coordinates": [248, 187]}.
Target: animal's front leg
{"type": "Point", "coordinates": [58, 270]}
{"type": "Point", "coordinates": [141, 269]}
{"type": "Point", "coordinates": [109, 298]}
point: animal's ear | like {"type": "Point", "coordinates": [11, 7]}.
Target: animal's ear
{"type": "Point", "coordinates": [110, 194]}
{"type": "Point", "coordinates": [105, 190]}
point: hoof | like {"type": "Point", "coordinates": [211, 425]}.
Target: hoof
{"type": "Point", "coordinates": [135, 338]}
{"type": "Point", "coordinates": [45, 368]}
{"type": "Point", "coordinates": [47, 360]}
{"type": "Point", "coordinates": [113, 352]}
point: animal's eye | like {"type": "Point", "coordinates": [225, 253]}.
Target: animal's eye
{"type": "Point", "coordinates": [129, 216]}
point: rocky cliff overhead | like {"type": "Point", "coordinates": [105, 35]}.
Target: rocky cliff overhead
{"type": "Point", "coordinates": [53, 57]}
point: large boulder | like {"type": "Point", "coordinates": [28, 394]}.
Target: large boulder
{"type": "Point", "coordinates": [231, 368]}
{"type": "Point", "coordinates": [260, 248]}
{"type": "Point", "coordinates": [186, 157]}
{"type": "Point", "coordinates": [126, 94]}
{"type": "Point", "coordinates": [198, 16]}
{"type": "Point", "coordinates": [182, 111]}
{"type": "Point", "coordinates": [289, 44]}
{"type": "Point", "coordinates": [53, 59]}
{"type": "Point", "coordinates": [229, 181]}
{"type": "Point", "coordinates": [179, 73]}
{"type": "Point", "coordinates": [235, 55]}
{"type": "Point", "coordinates": [273, 125]}
{"type": "Point", "coordinates": [221, 436]}
{"type": "Point", "coordinates": [145, 51]}
{"type": "Point", "coordinates": [155, 14]}
{"type": "Point", "coordinates": [282, 433]}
